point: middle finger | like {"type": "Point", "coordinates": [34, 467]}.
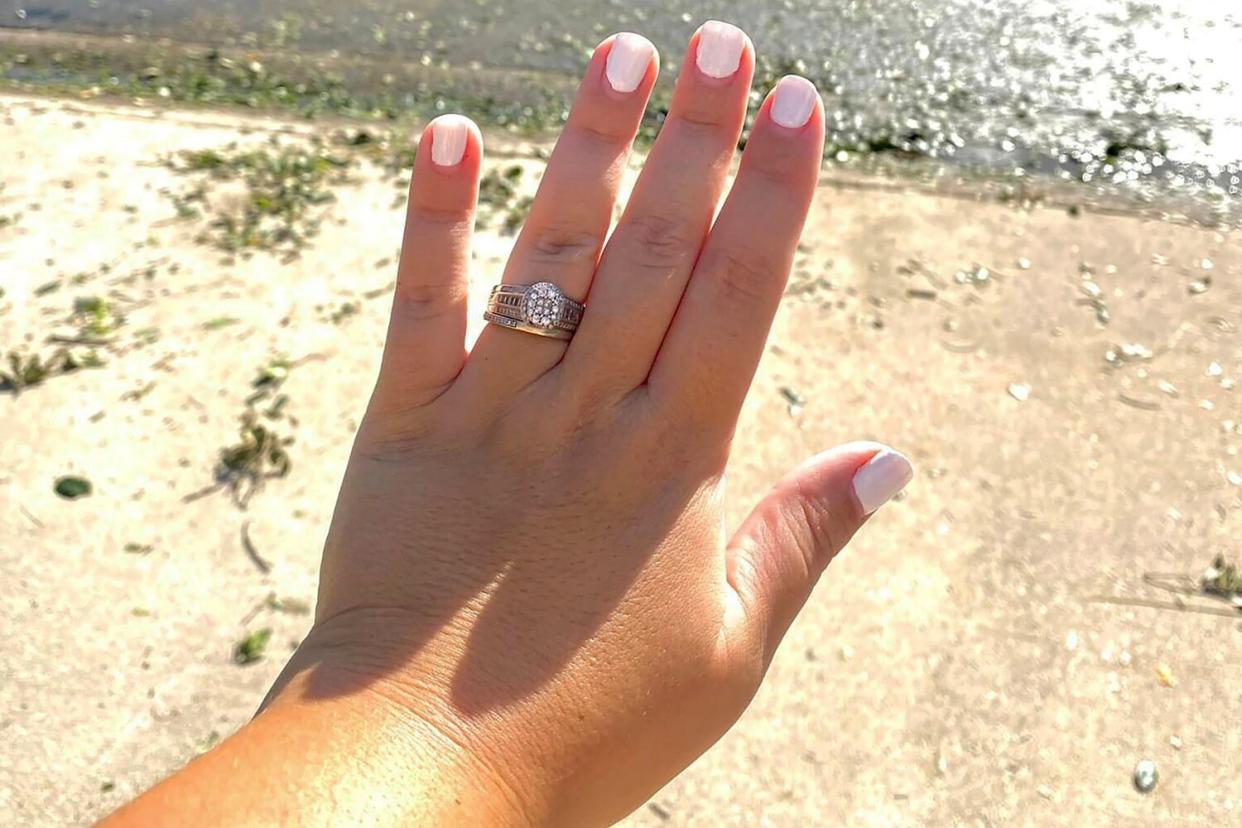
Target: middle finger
{"type": "Point", "coordinates": [649, 258]}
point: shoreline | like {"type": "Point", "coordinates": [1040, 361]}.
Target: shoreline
{"type": "Point", "coordinates": [524, 104]}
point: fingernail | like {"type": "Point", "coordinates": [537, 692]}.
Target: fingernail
{"type": "Point", "coordinates": [720, 49]}
{"type": "Point", "coordinates": [883, 476]}
{"type": "Point", "coordinates": [793, 101]}
{"type": "Point", "coordinates": [448, 140]}
{"type": "Point", "coordinates": [628, 61]}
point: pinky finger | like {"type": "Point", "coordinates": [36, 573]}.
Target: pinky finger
{"type": "Point", "coordinates": [425, 348]}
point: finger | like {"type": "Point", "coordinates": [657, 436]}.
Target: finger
{"type": "Point", "coordinates": [572, 211]}
{"type": "Point", "coordinates": [425, 348]}
{"type": "Point", "coordinates": [649, 257]}
{"type": "Point", "coordinates": [717, 336]}
{"type": "Point", "coordinates": [778, 554]}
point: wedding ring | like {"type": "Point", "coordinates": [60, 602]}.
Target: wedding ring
{"type": "Point", "coordinates": [541, 309]}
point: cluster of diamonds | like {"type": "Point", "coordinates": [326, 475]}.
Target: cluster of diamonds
{"type": "Point", "coordinates": [544, 303]}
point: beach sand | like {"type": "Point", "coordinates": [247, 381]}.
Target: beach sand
{"type": "Point", "coordinates": [970, 660]}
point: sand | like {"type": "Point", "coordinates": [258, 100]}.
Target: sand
{"type": "Point", "coordinates": [968, 661]}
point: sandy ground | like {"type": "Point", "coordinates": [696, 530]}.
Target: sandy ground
{"type": "Point", "coordinates": [958, 666]}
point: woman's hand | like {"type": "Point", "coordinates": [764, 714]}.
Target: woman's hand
{"type": "Point", "coordinates": [530, 610]}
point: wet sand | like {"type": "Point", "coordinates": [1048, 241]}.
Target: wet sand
{"type": "Point", "coordinates": [1063, 379]}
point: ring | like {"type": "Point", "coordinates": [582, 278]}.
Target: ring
{"type": "Point", "coordinates": [541, 309]}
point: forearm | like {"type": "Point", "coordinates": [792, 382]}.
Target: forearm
{"type": "Point", "coordinates": [348, 759]}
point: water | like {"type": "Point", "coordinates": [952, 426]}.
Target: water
{"type": "Point", "coordinates": [1139, 95]}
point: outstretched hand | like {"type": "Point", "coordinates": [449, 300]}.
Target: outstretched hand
{"type": "Point", "coordinates": [529, 609]}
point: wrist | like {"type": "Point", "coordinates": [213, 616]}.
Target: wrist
{"type": "Point", "coordinates": [343, 669]}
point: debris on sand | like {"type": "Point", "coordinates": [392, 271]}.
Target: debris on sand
{"type": "Point", "coordinates": [72, 488]}
{"type": "Point", "coordinates": [1145, 776]}
{"type": "Point", "coordinates": [251, 648]}
{"type": "Point", "coordinates": [1128, 352]}
{"type": "Point", "coordinates": [1020, 391]}
{"type": "Point", "coordinates": [1138, 402]}
{"type": "Point", "coordinates": [1223, 580]}
{"type": "Point", "coordinates": [795, 400]}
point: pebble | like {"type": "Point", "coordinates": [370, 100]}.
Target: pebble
{"type": "Point", "coordinates": [1145, 776]}
{"type": "Point", "coordinates": [1175, 742]}
{"type": "Point", "coordinates": [1020, 391]}
{"type": "Point", "coordinates": [1024, 263]}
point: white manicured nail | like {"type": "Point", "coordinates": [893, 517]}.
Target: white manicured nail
{"type": "Point", "coordinates": [628, 61]}
{"type": "Point", "coordinates": [720, 49]}
{"type": "Point", "coordinates": [881, 479]}
{"type": "Point", "coordinates": [448, 140]}
{"type": "Point", "coordinates": [793, 101]}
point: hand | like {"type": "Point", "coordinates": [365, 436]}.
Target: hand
{"type": "Point", "coordinates": [527, 571]}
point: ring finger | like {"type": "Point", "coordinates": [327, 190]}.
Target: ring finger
{"type": "Point", "coordinates": [572, 211]}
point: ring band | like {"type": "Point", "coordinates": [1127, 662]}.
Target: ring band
{"type": "Point", "coordinates": [541, 309]}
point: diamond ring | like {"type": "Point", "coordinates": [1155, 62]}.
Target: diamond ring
{"type": "Point", "coordinates": [540, 309]}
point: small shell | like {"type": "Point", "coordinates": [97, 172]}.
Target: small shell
{"type": "Point", "coordinates": [1145, 776]}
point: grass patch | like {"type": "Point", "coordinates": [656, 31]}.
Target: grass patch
{"type": "Point", "coordinates": [498, 198]}
{"type": "Point", "coordinates": [393, 153]}
{"type": "Point", "coordinates": [260, 455]}
{"type": "Point", "coordinates": [515, 215]}
{"type": "Point", "coordinates": [220, 322]}
{"type": "Point", "coordinates": [26, 370]}
{"type": "Point", "coordinates": [261, 452]}
{"type": "Point", "coordinates": [95, 316]}
{"type": "Point", "coordinates": [344, 311]}
{"type": "Point", "coordinates": [276, 205]}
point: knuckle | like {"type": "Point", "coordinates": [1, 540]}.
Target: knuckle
{"type": "Point", "coordinates": [742, 276]}
{"type": "Point", "coordinates": [416, 301]}
{"type": "Point", "coordinates": [594, 136]}
{"type": "Point", "coordinates": [559, 245]}
{"type": "Point", "coordinates": [660, 243]}
{"type": "Point", "coordinates": [702, 126]}
{"type": "Point", "coordinates": [430, 214]}
{"type": "Point", "coordinates": [390, 432]}
{"type": "Point", "coordinates": [816, 529]}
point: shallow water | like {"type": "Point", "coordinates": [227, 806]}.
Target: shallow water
{"type": "Point", "coordinates": [1139, 94]}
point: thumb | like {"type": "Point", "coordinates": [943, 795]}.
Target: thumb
{"type": "Point", "coordinates": [781, 549]}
